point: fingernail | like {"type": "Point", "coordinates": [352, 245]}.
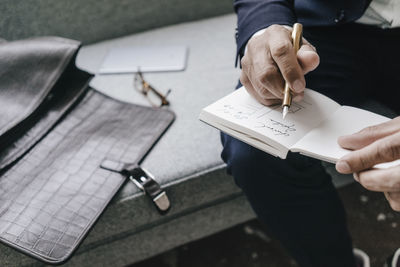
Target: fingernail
{"type": "Point", "coordinates": [343, 167]}
{"type": "Point", "coordinates": [298, 86]}
{"type": "Point", "coordinates": [355, 175]}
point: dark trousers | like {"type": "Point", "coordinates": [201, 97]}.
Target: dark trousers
{"type": "Point", "coordinates": [295, 197]}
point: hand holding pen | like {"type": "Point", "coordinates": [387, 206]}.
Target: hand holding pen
{"type": "Point", "coordinates": [270, 61]}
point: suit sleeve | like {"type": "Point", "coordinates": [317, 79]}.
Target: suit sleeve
{"type": "Point", "coordinates": [254, 15]}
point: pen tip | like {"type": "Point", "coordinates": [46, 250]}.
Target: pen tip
{"type": "Point", "coordinates": [285, 111]}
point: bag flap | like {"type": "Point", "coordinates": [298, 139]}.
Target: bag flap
{"type": "Point", "coordinates": [28, 71]}
{"type": "Point", "coordinates": [51, 198]}
{"type": "Point", "coordinates": [39, 82]}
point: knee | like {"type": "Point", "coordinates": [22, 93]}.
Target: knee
{"type": "Point", "coordinates": [244, 162]}
{"type": "Point", "coordinates": [251, 167]}
{"type": "Point", "coordinates": [235, 153]}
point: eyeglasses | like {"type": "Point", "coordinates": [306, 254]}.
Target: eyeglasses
{"type": "Point", "coordinates": [155, 98]}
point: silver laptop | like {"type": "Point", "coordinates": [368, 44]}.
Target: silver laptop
{"type": "Point", "coordinates": [146, 58]}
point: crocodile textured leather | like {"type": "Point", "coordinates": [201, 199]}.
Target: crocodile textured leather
{"type": "Point", "coordinates": [52, 195]}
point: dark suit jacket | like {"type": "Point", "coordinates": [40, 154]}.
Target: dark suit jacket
{"type": "Point", "coordinates": [254, 15]}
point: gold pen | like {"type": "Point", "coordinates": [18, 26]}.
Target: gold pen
{"type": "Point", "coordinates": [287, 95]}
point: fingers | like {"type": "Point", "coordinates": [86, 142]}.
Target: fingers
{"type": "Point", "coordinates": [282, 52]}
{"type": "Point", "coordinates": [298, 97]}
{"type": "Point", "coordinates": [307, 57]}
{"type": "Point", "coordinates": [270, 61]}
{"type": "Point", "coordinates": [376, 144]}
{"type": "Point", "coordinates": [369, 135]}
{"type": "Point", "coordinates": [261, 70]}
{"type": "Point", "coordinates": [383, 180]}
{"type": "Point", "coordinates": [380, 180]}
{"type": "Point", "coordinates": [386, 149]}
{"type": "Point", "coordinates": [394, 200]}
{"type": "Point", "coordinates": [266, 99]}
{"type": "Point", "coordinates": [266, 78]}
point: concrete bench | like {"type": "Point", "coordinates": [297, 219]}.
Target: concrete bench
{"type": "Point", "coordinates": [186, 161]}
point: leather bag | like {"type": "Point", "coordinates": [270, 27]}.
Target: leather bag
{"type": "Point", "coordinates": [57, 140]}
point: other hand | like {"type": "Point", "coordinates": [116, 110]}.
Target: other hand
{"type": "Point", "coordinates": [270, 61]}
{"type": "Point", "coordinates": [374, 145]}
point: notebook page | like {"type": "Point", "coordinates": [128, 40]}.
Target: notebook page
{"type": "Point", "coordinates": [240, 111]}
{"type": "Point", "coordinates": [321, 142]}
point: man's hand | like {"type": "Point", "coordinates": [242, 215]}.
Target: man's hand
{"type": "Point", "coordinates": [270, 61]}
{"type": "Point", "coordinates": [373, 145]}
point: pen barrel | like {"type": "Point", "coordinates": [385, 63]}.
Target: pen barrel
{"type": "Point", "coordinates": [296, 36]}
{"type": "Point", "coordinates": [287, 96]}
{"type": "Point", "coordinates": [296, 39]}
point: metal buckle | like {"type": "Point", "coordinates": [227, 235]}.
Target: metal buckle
{"type": "Point", "coordinates": [161, 200]}
{"type": "Point", "coordinates": [144, 179]}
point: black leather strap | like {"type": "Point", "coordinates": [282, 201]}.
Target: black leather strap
{"type": "Point", "coordinates": [142, 179]}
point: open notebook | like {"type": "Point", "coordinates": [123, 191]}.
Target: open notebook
{"type": "Point", "coordinates": [312, 126]}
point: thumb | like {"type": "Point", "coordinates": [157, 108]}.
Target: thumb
{"type": "Point", "coordinates": [307, 57]}
{"type": "Point", "coordinates": [370, 134]}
